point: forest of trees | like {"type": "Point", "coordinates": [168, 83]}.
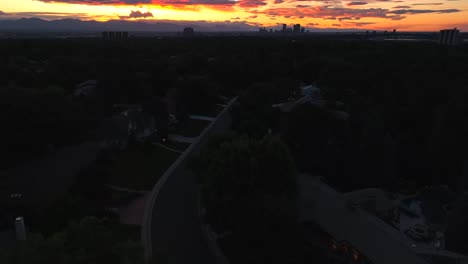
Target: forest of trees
{"type": "Point", "coordinates": [406, 102]}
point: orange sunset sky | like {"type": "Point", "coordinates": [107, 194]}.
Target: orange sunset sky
{"type": "Point", "coordinates": [403, 15]}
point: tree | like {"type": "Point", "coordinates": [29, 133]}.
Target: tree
{"type": "Point", "coordinates": [91, 240]}
{"type": "Point", "coordinates": [316, 139]}
{"type": "Point", "coordinates": [198, 93]}
{"type": "Point", "coordinates": [249, 189]}
{"type": "Point", "coordinates": [457, 232]}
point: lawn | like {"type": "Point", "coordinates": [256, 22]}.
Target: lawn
{"type": "Point", "coordinates": [180, 146]}
{"type": "Point", "coordinates": [139, 167]}
{"type": "Point", "coordinates": [117, 198]}
{"type": "Point", "coordinates": [191, 127]}
{"type": "Point", "coordinates": [129, 232]}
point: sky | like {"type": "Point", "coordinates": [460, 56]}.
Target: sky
{"type": "Point", "coordinates": [402, 15]}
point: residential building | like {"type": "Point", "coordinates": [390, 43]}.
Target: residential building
{"type": "Point", "coordinates": [297, 28]}
{"type": "Point", "coordinates": [114, 35]}
{"type": "Point", "coordinates": [449, 37]}
{"type": "Point", "coordinates": [85, 88]}
{"type": "Point", "coordinates": [409, 228]}
{"type": "Point", "coordinates": [344, 220]}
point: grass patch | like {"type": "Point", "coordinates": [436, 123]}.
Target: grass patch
{"type": "Point", "coordinates": [116, 198]}
{"type": "Point", "coordinates": [139, 167]}
{"type": "Point", "coordinates": [191, 127]}
{"type": "Point", "coordinates": [129, 232]}
{"type": "Point", "coordinates": [180, 146]}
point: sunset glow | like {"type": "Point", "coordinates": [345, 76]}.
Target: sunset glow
{"type": "Point", "coordinates": [403, 15]}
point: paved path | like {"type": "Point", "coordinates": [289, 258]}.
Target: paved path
{"type": "Point", "coordinates": [166, 147]}
{"type": "Point", "coordinates": [377, 241]}
{"type": "Point", "coordinates": [123, 189]}
{"type": "Point", "coordinates": [182, 139]}
{"type": "Point", "coordinates": [45, 179]}
{"type": "Point", "coordinates": [176, 228]}
{"type": "Point", "coordinates": [171, 224]}
{"type": "Point", "coordinates": [199, 117]}
{"type": "Point", "coordinates": [132, 212]}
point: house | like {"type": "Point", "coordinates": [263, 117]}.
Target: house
{"type": "Point", "coordinates": [410, 225]}
{"type": "Point", "coordinates": [140, 124]}
{"type": "Point", "coordinates": [114, 132]}
{"type": "Point", "coordinates": [85, 88]}
{"type": "Point", "coordinates": [309, 94]}
{"type": "Point", "coordinates": [132, 121]}
{"type": "Point", "coordinates": [344, 220]}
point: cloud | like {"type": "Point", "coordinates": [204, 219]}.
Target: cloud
{"type": "Point", "coordinates": [348, 18]}
{"type": "Point", "coordinates": [330, 13]}
{"type": "Point", "coordinates": [255, 16]}
{"type": "Point", "coordinates": [251, 3]}
{"type": "Point", "coordinates": [2, 13]}
{"type": "Point", "coordinates": [99, 2]}
{"type": "Point", "coordinates": [356, 3]}
{"type": "Point", "coordinates": [278, 1]}
{"type": "Point", "coordinates": [342, 13]}
{"type": "Point", "coordinates": [235, 18]}
{"type": "Point", "coordinates": [137, 14]}
{"type": "Point", "coordinates": [47, 15]}
{"type": "Point", "coordinates": [423, 11]}
{"type": "Point", "coordinates": [356, 24]}
{"type": "Point", "coordinates": [302, 6]}
{"type": "Point", "coordinates": [427, 4]}
{"type": "Point", "coordinates": [138, 2]}
{"type": "Point", "coordinates": [399, 7]}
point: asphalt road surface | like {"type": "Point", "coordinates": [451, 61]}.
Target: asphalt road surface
{"type": "Point", "coordinates": [176, 229]}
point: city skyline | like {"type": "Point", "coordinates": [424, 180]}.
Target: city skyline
{"type": "Point", "coordinates": [403, 15]}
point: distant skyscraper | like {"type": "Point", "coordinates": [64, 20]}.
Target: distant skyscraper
{"type": "Point", "coordinates": [449, 37]}
{"type": "Point", "coordinates": [302, 29]}
{"type": "Point", "coordinates": [297, 28]}
{"type": "Point", "coordinates": [284, 27]}
{"type": "Point", "coordinates": [114, 34]}
{"type": "Point", "coordinates": [188, 32]}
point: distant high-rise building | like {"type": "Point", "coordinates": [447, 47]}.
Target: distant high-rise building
{"type": "Point", "coordinates": [188, 32]}
{"type": "Point", "coordinates": [302, 30]}
{"type": "Point", "coordinates": [297, 28]}
{"type": "Point", "coordinates": [449, 37]}
{"type": "Point", "coordinates": [284, 27]}
{"type": "Point", "coordinates": [114, 34]}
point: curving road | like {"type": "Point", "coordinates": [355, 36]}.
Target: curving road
{"type": "Point", "coordinates": [172, 231]}
{"type": "Point", "coordinates": [176, 229]}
